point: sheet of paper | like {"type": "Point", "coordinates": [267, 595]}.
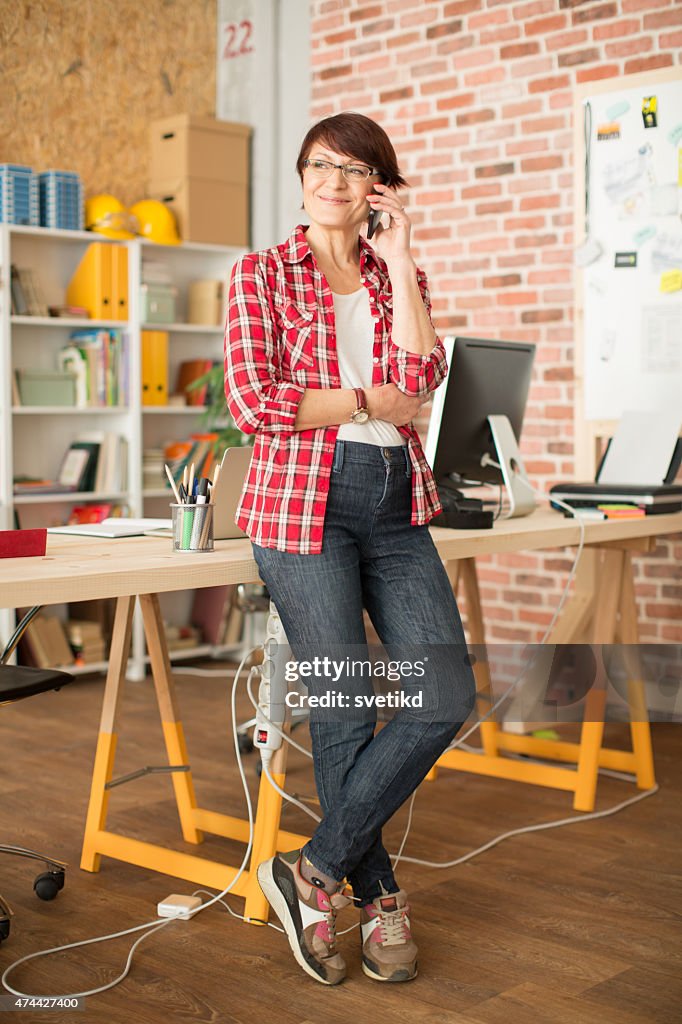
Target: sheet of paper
{"type": "Point", "coordinates": [642, 448]}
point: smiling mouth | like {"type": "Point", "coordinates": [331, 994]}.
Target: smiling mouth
{"type": "Point", "coordinates": [329, 199]}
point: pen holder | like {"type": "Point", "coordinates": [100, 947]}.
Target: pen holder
{"type": "Point", "coordinates": [192, 527]}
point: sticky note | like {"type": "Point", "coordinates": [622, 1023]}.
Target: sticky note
{"type": "Point", "coordinates": [644, 234]}
{"type": "Point", "coordinates": [671, 281]}
{"type": "Point", "coordinates": [617, 110]}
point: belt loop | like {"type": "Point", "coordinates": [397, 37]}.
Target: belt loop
{"type": "Point", "coordinates": [408, 464]}
{"type": "Point", "coordinates": [338, 457]}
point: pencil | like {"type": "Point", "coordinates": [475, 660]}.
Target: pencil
{"type": "Point", "coordinates": [184, 478]}
{"type": "Point", "coordinates": [172, 483]}
{"type": "Point", "coordinates": [190, 489]}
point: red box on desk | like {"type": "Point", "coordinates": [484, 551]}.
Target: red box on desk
{"type": "Point", "coordinates": [20, 543]}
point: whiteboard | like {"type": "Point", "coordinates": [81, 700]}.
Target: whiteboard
{"type": "Point", "coordinates": [632, 323]}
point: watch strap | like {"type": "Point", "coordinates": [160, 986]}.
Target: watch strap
{"type": "Point", "coordinates": [360, 398]}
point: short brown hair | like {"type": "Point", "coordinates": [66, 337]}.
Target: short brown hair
{"type": "Point", "coordinates": [358, 137]}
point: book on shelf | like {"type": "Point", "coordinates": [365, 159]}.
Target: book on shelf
{"type": "Point", "coordinates": [87, 641]}
{"type": "Point", "coordinates": [95, 461]}
{"type": "Point", "coordinates": [23, 485]}
{"type": "Point", "coordinates": [98, 358]}
{"type": "Point", "coordinates": [197, 450]}
{"type": "Point", "coordinates": [27, 298]}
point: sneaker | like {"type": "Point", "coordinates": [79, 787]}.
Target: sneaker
{"type": "Point", "coordinates": [307, 914]}
{"type": "Point", "coordinates": [388, 951]}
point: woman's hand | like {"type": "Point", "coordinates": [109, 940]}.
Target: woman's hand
{"type": "Point", "coordinates": [388, 403]}
{"type": "Point", "coordinates": [391, 243]}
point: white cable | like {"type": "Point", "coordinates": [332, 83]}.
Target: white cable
{"type": "Point", "coordinates": [287, 796]}
{"type": "Point", "coordinates": [154, 925]}
{"type": "Point", "coordinates": [240, 917]}
{"type": "Point", "coordinates": [533, 828]}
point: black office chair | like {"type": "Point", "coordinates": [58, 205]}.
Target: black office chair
{"type": "Point", "coordinates": [16, 683]}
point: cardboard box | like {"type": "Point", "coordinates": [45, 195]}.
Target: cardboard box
{"type": "Point", "coordinates": [185, 146]}
{"type": "Point", "coordinates": [206, 304]}
{"type": "Point", "coordinates": [206, 210]}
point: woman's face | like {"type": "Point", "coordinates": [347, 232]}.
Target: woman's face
{"type": "Point", "coordinates": [335, 202]}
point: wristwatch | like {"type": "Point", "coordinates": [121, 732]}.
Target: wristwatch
{"type": "Point", "coordinates": [361, 413]}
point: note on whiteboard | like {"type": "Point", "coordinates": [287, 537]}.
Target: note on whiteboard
{"type": "Point", "coordinates": [661, 333]}
{"type": "Point", "coordinates": [641, 449]}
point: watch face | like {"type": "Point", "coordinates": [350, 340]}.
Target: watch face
{"type": "Point", "coordinates": [360, 416]}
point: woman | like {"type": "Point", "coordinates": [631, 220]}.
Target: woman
{"type": "Point", "coordinates": [329, 353]}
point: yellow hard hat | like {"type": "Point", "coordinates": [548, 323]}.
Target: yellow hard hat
{"type": "Point", "coordinates": [156, 222]}
{"type": "Point", "coordinates": [106, 215]}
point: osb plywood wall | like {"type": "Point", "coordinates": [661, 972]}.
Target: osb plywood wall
{"type": "Point", "coordinates": [82, 79]}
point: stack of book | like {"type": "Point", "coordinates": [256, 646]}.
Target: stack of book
{"type": "Point", "coordinates": [197, 450]}
{"type": "Point", "coordinates": [27, 293]}
{"type": "Point", "coordinates": [152, 469]}
{"type": "Point", "coordinates": [95, 461]}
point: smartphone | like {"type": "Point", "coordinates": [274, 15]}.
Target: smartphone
{"type": "Point", "coordinates": [373, 220]}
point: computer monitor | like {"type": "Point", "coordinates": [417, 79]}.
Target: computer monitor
{"type": "Point", "coordinates": [478, 413]}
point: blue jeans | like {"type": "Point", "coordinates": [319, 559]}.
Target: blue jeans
{"type": "Point", "coordinates": [372, 557]}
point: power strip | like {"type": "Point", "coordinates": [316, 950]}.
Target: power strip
{"type": "Point", "coordinates": [178, 906]}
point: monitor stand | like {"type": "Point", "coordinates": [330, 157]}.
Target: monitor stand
{"type": "Point", "coordinates": [521, 499]}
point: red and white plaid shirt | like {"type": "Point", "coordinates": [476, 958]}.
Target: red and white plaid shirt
{"type": "Point", "coordinates": [280, 340]}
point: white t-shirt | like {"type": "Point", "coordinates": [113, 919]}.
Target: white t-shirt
{"type": "Point", "coordinates": [354, 342]}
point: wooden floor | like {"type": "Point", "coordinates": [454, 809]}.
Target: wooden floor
{"type": "Point", "coordinates": [581, 925]}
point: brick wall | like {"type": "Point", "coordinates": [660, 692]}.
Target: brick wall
{"type": "Point", "coordinates": [477, 98]}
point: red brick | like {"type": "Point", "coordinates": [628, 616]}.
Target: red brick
{"type": "Point", "coordinates": [522, 12]}
{"type": "Point", "coordinates": [647, 63]}
{"type": "Point", "coordinates": [549, 83]}
{"type": "Point", "coordinates": [431, 125]}
{"type": "Point", "coordinates": [629, 47]}
{"type": "Point", "coordinates": [451, 44]}
{"type": "Point", "coordinates": [542, 316]}
{"type": "Point", "coordinates": [457, 7]}
{"type": "Point", "coordinates": [533, 145]}
{"type": "Point", "coordinates": [593, 74]}
{"type": "Point", "coordinates": [492, 74]}
{"type": "Point", "coordinates": [562, 40]}
{"type": "Point", "coordinates": [500, 206]}
{"type": "Point", "coordinates": [378, 28]}
{"type": "Point", "coordinates": [476, 117]}
{"type": "Point", "coordinates": [493, 170]}
{"type": "Point", "coordinates": [517, 298]}
{"type": "Point", "coordinates": [517, 110]}
{"type": "Point", "coordinates": [361, 13]}
{"type": "Point", "coordinates": [438, 85]}
{"type": "Point", "coordinates": [501, 281]}
{"type": "Point", "coordinates": [500, 16]}
{"type": "Point", "coordinates": [616, 29]}
{"type": "Point", "coordinates": [569, 60]}
{"type": "Point", "coordinates": [663, 611]}
{"type": "Point", "coordinates": [479, 191]}
{"type": "Point", "coordinates": [542, 163]}
{"type": "Point", "coordinates": [396, 94]}
{"type": "Point", "coordinates": [444, 28]}
{"type": "Point", "coordinates": [544, 25]}
{"type": "Point", "coordinates": [475, 58]}
{"type": "Point", "coordinates": [594, 12]}
{"type": "Point", "coordinates": [533, 66]}
{"type": "Point", "coordinates": [671, 39]}
{"type": "Point", "coordinates": [393, 42]}
{"type": "Point", "coordinates": [340, 37]}
{"type": "Point", "coordinates": [519, 50]}
{"type": "Point", "coordinates": [503, 34]}
{"type": "Point", "coordinates": [462, 99]}
{"type": "Point", "coordinates": [337, 72]}
{"type": "Point", "coordinates": [544, 124]}
{"type": "Point", "coordinates": [663, 19]}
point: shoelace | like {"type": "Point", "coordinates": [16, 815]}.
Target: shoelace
{"type": "Point", "coordinates": [393, 927]}
{"type": "Point", "coordinates": [342, 900]}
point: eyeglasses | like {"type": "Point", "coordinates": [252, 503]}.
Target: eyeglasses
{"type": "Point", "coordinates": [351, 172]}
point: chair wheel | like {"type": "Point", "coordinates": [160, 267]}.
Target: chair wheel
{"type": "Point", "coordinates": [47, 885]}
{"type": "Point", "coordinates": [245, 743]}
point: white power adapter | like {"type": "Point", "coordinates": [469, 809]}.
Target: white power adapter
{"type": "Point", "coordinates": [179, 906]}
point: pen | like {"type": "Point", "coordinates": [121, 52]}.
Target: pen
{"type": "Point", "coordinates": [172, 483]}
{"type": "Point", "coordinates": [199, 516]}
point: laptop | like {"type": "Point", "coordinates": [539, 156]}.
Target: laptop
{"type": "Point", "coordinates": [233, 469]}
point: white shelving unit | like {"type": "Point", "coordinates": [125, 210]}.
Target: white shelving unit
{"type": "Point", "coordinates": [34, 439]}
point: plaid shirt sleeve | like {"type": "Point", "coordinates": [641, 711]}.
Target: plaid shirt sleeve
{"type": "Point", "coordinates": [255, 398]}
{"type": "Point", "coordinates": [416, 374]}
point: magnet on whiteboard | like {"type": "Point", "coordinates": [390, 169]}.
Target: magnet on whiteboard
{"type": "Point", "coordinates": [617, 110]}
{"type": "Point", "coordinates": [644, 234]}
